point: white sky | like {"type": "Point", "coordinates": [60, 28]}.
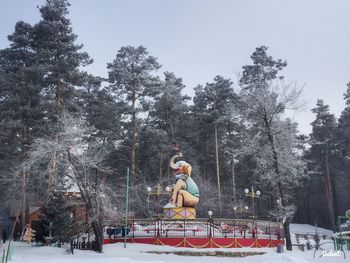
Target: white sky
{"type": "Point", "coordinates": [198, 39]}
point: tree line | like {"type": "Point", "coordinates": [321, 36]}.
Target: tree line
{"type": "Point", "coordinates": [64, 130]}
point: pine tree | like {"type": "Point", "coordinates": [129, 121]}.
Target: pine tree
{"type": "Point", "coordinates": [322, 145]}
{"type": "Point", "coordinates": [343, 146]}
{"type": "Point", "coordinates": [55, 218]}
{"type": "Point", "coordinates": [56, 50]}
{"type": "Point", "coordinates": [344, 125]}
{"type": "Point", "coordinates": [233, 142]}
{"type": "Point", "coordinates": [273, 140]}
{"type": "Point", "coordinates": [83, 168]}
{"type": "Point", "coordinates": [170, 107]}
{"type": "Point", "coordinates": [22, 106]}
{"type": "Point", "coordinates": [212, 103]}
{"type": "Point", "coordinates": [199, 137]}
{"type": "Point", "coordinates": [169, 116]}
{"type": "Point", "coordinates": [131, 77]}
{"type": "Point", "coordinates": [101, 110]}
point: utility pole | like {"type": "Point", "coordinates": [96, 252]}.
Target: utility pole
{"type": "Point", "coordinates": [126, 206]}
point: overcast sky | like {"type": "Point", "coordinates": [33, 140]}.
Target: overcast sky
{"type": "Point", "coordinates": [199, 39]}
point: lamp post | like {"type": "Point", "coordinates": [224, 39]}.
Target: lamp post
{"type": "Point", "coordinates": [157, 192]}
{"type": "Point", "coordinates": [280, 212]}
{"type": "Point", "coordinates": [126, 205]}
{"type": "Point", "coordinates": [210, 213]}
{"type": "Point", "coordinates": [253, 194]}
{"type": "Point", "coordinates": [241, 209]}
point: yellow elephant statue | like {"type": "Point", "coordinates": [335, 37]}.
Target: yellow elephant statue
{"type": "Point", "coordinates": [185, 192]}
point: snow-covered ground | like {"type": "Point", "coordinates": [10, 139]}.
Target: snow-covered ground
{"type": "Point", "coordinates": [303, 228]}
{"type": "Point", "coordinates": [135, 253]}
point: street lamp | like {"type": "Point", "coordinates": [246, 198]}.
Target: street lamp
{"type": "Point", "coordinates": [157, 192]}
{"type": "Point", "coordinates": [210, 213]}
{"type": "Point", "coordinates": [280, 214]}
{"type": "Point", "coordinates": [280, 209]}
{"type": "Point", "coordinates": [253, 195]}
{"type": "Point", "coordinates": [241, 209]}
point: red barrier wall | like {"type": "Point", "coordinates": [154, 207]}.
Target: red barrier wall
{"type": "Point", "coordinates": [202, 242]}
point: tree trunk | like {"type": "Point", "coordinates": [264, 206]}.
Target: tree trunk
{"type": "Point", "coordinates": [97, 219]}
{"type": "Point", "coordinates": [25, 206]}
{"type": "Point", "coordinates": [275, 156]}
{"type": "Point", "coordinates": [348, 188]}
{"type": "Point", "coordinates": [287, 235]}
{"type": "Point", "coordinates": [280, 189]}
{"type": "Point", "coordinates": [98, 231]}
{"type": "Point", "coordinates": [276, 162]}
{"type": "Point", "coordinates": [25, 143]}
{"type": "Point", "coordinates": [53, 165]}
{"type": "Point", "coordinates": [133, 135]}
{"type": "Point", "coordinates": [160, 165]}
{"type": "Point", "coordinates": [203, 161]}
{"type": "Point", "coordinates": [307, 202]}
{"type": "Point", "coordinates": [329, 190]}
{"type": "Point", "coordinates": [96, 224]}
{"type": "Point", "coordinates": [217, 166]}
{"type": "Point", "coordinates": [233, 175]}
{"type": "Point", "coordinates": [170, 128]}
{"type": "Point", "coordinates": [233, 178]}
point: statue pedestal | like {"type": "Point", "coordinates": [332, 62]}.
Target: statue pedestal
{"type": "Point", "coordinates": [180, 213]}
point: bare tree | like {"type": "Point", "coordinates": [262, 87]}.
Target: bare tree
{"type": "Point", "coordinates": [274, 141]}
{"type": "Point", "coordinates": [81, 169]}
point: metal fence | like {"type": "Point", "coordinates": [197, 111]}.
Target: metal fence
{"type": "Point", "coordinates": [228, 228]}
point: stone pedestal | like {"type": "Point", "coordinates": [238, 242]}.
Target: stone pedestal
{"type": "Point", "coordinates": [180, 213]}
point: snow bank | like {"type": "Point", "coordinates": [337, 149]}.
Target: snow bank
{"type": "Point", "coordinates": [304, 228]}
{"type": "Point", "coordinates": [136, 253]}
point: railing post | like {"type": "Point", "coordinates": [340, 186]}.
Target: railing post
{"type": "Point", "coordinates": [133, 228]}
{"type": "Point", "coordinates": [234, 228]}
{"type": "Point", "coordinates": [158, 226]}
{"type": "Point", "coordinates": [208, 228]}
{"type": "Point", "coordinates": [154, 221]}
{"type": "Point", "coordinates": [184, 227]}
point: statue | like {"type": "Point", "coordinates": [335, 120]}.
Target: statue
{"type": "Point", "coordinates": [29, 234]}
{"type": "Point", "coordinates": [185, 191]}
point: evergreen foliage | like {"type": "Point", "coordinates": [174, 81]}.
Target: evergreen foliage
{"type": "Point", "coordinates": [131, 78]}
{"type": "Point", "coordinates": [55, 220]}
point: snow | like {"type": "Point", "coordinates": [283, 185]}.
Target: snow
{"type": "Point", "coordinates": [304, 228]}
{"type": "Point", "coordinates": [135, 253]}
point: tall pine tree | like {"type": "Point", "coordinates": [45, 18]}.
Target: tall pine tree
{"type": "Point", "coordinates": [274, 140]}
{"type": "Point", "coordinates": [211, 104]}
{"type": "Point", "coordinates": [131, 76]}
{"type": "Point", "coordinates": [343, 146]}
{"type": "Point", "coordinates": [56, 50]}
{"type": "Point", "coordinates": [21, 107]}
{"type": "Point", "coordinates": [322, 149]}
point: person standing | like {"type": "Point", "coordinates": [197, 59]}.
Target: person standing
{"type": "Point", "coordinates": [4, 235]}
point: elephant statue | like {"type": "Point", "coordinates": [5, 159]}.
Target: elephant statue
{"type": "Point", "coordinates": [185, 192]}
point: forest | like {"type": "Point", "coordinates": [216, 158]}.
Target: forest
{"type": "Point", "coordinates": [63, 129]}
